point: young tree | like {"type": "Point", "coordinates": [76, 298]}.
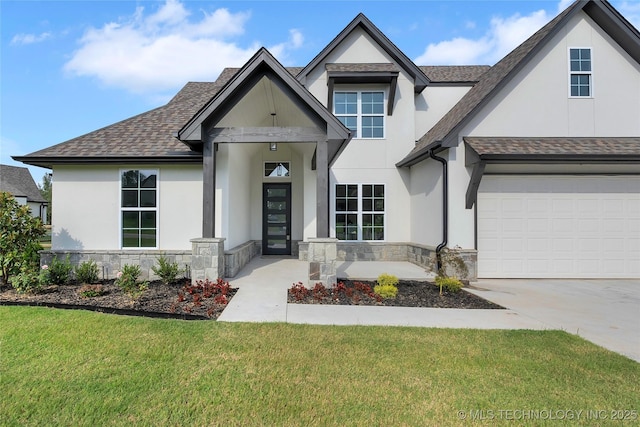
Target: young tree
{"type": "Point", "coordinates": [19, 234]}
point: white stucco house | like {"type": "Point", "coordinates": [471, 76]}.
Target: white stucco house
{"type": "Point", "coordinates": [530, 166]}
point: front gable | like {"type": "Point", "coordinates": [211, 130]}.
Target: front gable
{"type": "Point", "coordinates": [261, 103]}
{"type": "Point", "coordinates": [537, 100]}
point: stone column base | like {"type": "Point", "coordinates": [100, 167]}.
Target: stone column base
{"type": "Point", "coordinates": [322, 256]}
{"type": "Point", "coordinates": [207, 259]}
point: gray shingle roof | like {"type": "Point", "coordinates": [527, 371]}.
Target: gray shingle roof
{"type": "Point", "coordinates": [18, 182]}
{"type": "Point", "coordinates": [455, 73]}
{"type": "Point", "coordinates": [146, 137]}
{"type": "Point", "coordinates": [513, 147]}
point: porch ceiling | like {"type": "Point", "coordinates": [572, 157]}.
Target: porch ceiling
{"type": "Point", "coordinates": [266, 105]}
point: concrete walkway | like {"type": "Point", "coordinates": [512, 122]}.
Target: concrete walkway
{"type": "Point", "coordinates": [262, 297]}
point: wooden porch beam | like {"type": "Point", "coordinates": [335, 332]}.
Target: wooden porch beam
{"type": "Point", "coordinates": [266, 134]}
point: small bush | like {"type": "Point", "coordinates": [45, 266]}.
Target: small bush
{"type": "Point", "coordinates": [387, 286]}
{"type": "Point", "coordinates": [60, 271]}
{"type": "Point", "coordinates": [87, 272]}
{"type": "Point", "coordinates": [386, 291]}
{"type": "Point", "coordinates": [452, 284]}
{"type": "Point", "coordinates": [30, 281]}
{"type": "Point", "coordinates": [167, 271]}
{"type": "Point", "coordinates": [388, 279]}
{"type": "Point", "coordinates": [91, 291]}
{"type": "Point", "coordinates": [127, 280]}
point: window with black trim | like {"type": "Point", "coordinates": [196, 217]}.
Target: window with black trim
{"type": "Point", "coordinates": [580, 72]}
{"type": "Point", "coordinates": [360, 211]}
{"type": "Point", "coordinates": [138, 206]}
{"type": "Point", "coordinates": [361, 111]}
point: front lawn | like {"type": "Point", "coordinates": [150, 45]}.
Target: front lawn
{"type": "Point", "coordinates": [60, 367]}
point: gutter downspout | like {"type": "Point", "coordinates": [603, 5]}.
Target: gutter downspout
{"type": "Point", "coordinates": [445, 205]}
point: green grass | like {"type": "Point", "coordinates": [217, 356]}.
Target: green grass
{"type": "Point", "coordinates": [61, 367]}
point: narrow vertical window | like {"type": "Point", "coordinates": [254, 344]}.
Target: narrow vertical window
{"type": "Point", "coordinates": [139, 208]}
{"type": "Point", "coordinates": [580, 72]}
{"type": "Point", "coordinates": [347, 212]}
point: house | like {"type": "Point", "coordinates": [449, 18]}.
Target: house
{"type": "Point", "coordinates": [18, 182]}
{"type": "Point", "coordinates": [530, 167]}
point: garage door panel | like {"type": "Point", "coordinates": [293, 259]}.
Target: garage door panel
{"type": "Point", "coordinates": [559, 226]}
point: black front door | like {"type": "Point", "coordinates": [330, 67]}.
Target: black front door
{"type": "Point", "coordinates": [276, 219]}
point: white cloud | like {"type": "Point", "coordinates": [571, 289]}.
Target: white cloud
{"type": "Point", "coordinates": [296, 39]}
{"type": "Point", "coordinates": [155, 52]}
{"type": "Point", "coordinates": [631, 11]}
{"type": "Point", "coordinates": [20, 39]}
{"type": "Point", "coordinates": [504, 35]}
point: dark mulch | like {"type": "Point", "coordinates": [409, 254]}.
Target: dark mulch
{"type": "Point", "coordinates": [410, 294]}
{"type": "Point", "coordinates": [159, 300]}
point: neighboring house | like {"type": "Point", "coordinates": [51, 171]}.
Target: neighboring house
{"type": "Point", "coordinates": [531, 166]}
{"type": "Point", "coordinates": [19, 183]}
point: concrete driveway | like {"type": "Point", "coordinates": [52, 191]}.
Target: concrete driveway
{"type": "Point", "coordinates": [605, 312]}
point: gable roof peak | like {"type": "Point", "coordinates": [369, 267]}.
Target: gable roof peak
{"type": "Point", "coordinates": [361, 21]}
{"type": "Point", "coordinates": [444, 132]}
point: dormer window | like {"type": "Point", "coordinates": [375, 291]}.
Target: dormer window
{"type": "Point", "coordinates": [580, 79]}
{"type": "Point", "coordinates": [361, 111]}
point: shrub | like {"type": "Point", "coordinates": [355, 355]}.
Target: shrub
{"type": "Point", "coordinates": [387, 286]}
{"type": "Point", "coordinates": [386, 291]}
{"type": "Point", "coordinates": [91, 291]}
{"type": "Point", "coordinates": [87, 272]}
{"type": "Point", "coordinates": [388, 279]}
{"type": "Point", "coordinates": [167, 271]}
{"type": "Point", "coordinates": [127, 280]}
{"type": "Point", "coordinates": [452, 284]}
{"type": "Point", "coordinates": [30, 280]}
{"type": "Point", "coordinates": [60, 271]}
{"type": "Point", "coordinates": [19, 237]}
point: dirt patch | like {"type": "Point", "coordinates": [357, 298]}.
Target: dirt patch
{"type": "Point", "coordinates": [178, 300]}
{"type": "Point", "coordinates": [410, 294]}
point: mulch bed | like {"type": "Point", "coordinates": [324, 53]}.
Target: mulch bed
{"type": "Point", "coordinates": [159, 300]}
{"type": "Point", "coordinates": [410, 294]}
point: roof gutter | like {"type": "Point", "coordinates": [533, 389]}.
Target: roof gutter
{"type": "Point", "coordinates": [445, 204]}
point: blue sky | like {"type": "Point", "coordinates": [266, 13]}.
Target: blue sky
{"type": "Point", "coordinates": [70, 67]}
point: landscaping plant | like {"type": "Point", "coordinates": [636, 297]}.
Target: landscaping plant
{"type": "Point", "coordinates": [452, 284]}
{"type": "Point", "coordinates": [19, 238]}
{"type": "Point", "coordinates": [30, 280]}
{"type": "Point", "coordinates": [127, 280]}
{"type": "Point", "coordinates": [87, 272]}
{"type": "Point", "coordinates": [91, 291]}
{"type": "Point", "coordinates": [387, 286]}
{"type": "Point", "coordinates": [60, 271]}
{"type": "Point", "coordinates": [166, 270]}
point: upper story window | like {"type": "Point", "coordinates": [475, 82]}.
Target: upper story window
{"type": "Point", "coordinates": [361, 111]}
{"type": "Point", "coordinates": [139, 208]}
{"type": "Point", "coordinates": [581, 84]}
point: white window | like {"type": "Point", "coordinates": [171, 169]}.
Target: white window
{"type": "Point", "coordinates": [580, 78]}
{"type": "Point", "coordinates": [139, 208]}
{"type": "Point", "coordinates": [361, 111]}
{"type": "Point", "coordinates": [359, 211]}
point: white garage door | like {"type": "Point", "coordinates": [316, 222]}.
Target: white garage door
{"type": "Point", "coordinates": [559, 226]}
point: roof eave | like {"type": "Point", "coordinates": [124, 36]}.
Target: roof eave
{"type": "Point", "coordinates": [49, 162]}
